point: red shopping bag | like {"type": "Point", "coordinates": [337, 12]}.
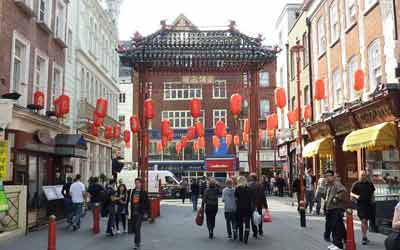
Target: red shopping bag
{"type": "Point", "coordinates": [200, 217]}
{"type": "Point", "coordinates": [267, 217]}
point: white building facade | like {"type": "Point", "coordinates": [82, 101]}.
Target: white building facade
{"type": "Point", "coordinates": [92, 69]}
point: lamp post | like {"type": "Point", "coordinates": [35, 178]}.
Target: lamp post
{"type": "Point", "coordinates": [297, 49]}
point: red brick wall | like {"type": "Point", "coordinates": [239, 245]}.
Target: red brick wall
{"type": "Point", "coordinates": [13, 19]}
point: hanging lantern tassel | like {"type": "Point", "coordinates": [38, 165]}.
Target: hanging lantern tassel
{"type": "Point", "coordinates": [127, 138]}
{"type": "Point", "coordinates": [228, 140]}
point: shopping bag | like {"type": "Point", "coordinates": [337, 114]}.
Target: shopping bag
{"type": "Point", "coordinates": [256, 218]}
{"type": "Point", "coordinates": [267, 217]}
{"type": "Point", "coordinates": [130, 226]}
{"type": "Point", "coordinates": [200, 217]}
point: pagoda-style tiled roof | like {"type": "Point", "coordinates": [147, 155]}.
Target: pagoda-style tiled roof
{"type": "Point", "coordinates": [192, 49]}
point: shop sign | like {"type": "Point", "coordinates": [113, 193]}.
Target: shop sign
{"type": "Point", "coordinates": [198, 79]}
{"type": "Point", "coordinates": [3, 159]}
{"type": "Point", "coordinates": [343, 124]}
{"type": "Point", "coordinates": [43, 136]}
{"type": "Point", "coordinates": [319, 130]}
{"type": "Point", "coordinates": [375, 114]}
{"type": "Point", "coordinates": [220, 165]}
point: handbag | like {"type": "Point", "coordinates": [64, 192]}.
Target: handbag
{"type": "Point", "coordinates": [392, 242]}
{"type": "Point", "coordinates": [200, 217]}
{"type": "Point", "coordinates": [267, 217]}
{"type": "Point", "coordinates": [131, 229]}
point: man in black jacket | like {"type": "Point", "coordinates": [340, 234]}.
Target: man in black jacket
{"type": "Point", "coordinates": [116, 166]}
{"type": "Point", "coordinates": [139, 205]}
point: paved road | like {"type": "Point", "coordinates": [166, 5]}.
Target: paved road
{"type": "Point", "coordinates": [176, 230]}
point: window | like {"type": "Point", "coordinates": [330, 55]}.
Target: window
{"type": "Point", "coordinates": [181, 91]}
{"type": "Point", "coordinates": [374, 65]}
{"type": "Point", "coordinates": [264, 79]}
{"type": "Point", "coordinates": [293, 103]}
{"type": "Point", "coordinates": [59, 23]}
{"type": "Point", "coordinates": [369, 3]}
{"type": "Point", "coordinates": [305, 50]}
{"type": "Point", "coordinates": [334, 21]}
{"type": "Point", "coordinates": [122, 98]}
{"type": "Point", "coordinates": [219, 115]}
{"type": "Point", "coordinates": [351, 12]}
{"type": "Point", "coordinates": [264, 108]}
{"type": "Point", "coordinates": [337, 88]}
{"type": "Point", "coordinates": [56, 87]}
{"type": "Point", "coordinates": [351, 70]}
{"type": "Point", "coordinates": [321, 36]}
{"type": "Point", "coordinates": [180, 118]}
{"type": "Point", "coordinates": [41, 70]}
{"type": "Point", "coordinates": [219, 89]}
{"type": "Point", "coordinates": [69, 50]}
{"type": "Point", "coordinates": [306, 95]}
{"type": "Point", "coordinates": [20, 67]}
{"type": "Point", "coordinates": [44, 12]}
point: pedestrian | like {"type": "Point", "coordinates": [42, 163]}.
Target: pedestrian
{"type": "Point", "coordinates": [228, 197]}
{"type": "Point", "coordinates": [259, 202]}
{"type": "Point", "coordinates": [112, 200]}
{"type": "Point", "coordinates": [195, 190]}
{"type": "Point", "coordinates": [280, 184]}
{"type": "Point", "coordinates": [139, 206]}
{"type": "Point", "coordinates": [268, 186]}
{"type": "Point", "coordinates": [116, 166]}
{"type": "Point", "coordinates": [392, 242]}
{"type": "Point", "coordinates": [243, 208]}
{"type": "Point", "coordinates": [78, 198]}
{"type": "Point", "coordinates": [336, 197]}
{"type": "Point", "coordinates": [309, 188]}
{"type": "Point", "coordinates": [274, 189]}
{"type": "Point", "coordinates": [210, 204]}
{"type": "Point", "coordinates": [296, 190]}
{"type": "Point", "coordinates": [320, 194]}
{"type": "Point", "coordinates": [96, 192]}
{"type": "Point", "coordinates": [203, 186]}
{"type": "Point", "coordinates": [122, 208]}
{"type": "Point", "coordinates": [363, 192]}
{"type": "Point", "coordinates": [67, 201]}
{"type": "Point", "coordinates": [183, 190]}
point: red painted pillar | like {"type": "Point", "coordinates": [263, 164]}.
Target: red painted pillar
{"type": "Point", "coordinates": [51, 244]}
{"type": "Point", "coordinates": [350, 241]}
{"type": "Point", "coordinates": [96, 219]}
{"type": "Point", "coordinates": [254, 116]}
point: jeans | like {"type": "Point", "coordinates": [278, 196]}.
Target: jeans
{"type": "Point", "coordinates": [336, 225]}
{"type": "Point", "coordinates": [211, 212]}
{"type": "Point", "coordinates": [111, 221]}
{"type": "Point", "coordinates": [195, 198]}
{"type": "Point", "coordinates": [246, 221]}
{"type": "Point", "coordinates": [121, 217]}
{"type": "Point", "coordinates": [77, 214]}
{"type": "Point", "coordinates": [230, 218]}
{"type": "Point", "coordinates": [257, 229]}
{"type": "Point", "coordinates": [137, 225]}
{"type": "Point", "coordinates": [318, 199]}
{"type": "Point", "coordinates": [69, 212]}
{"type": "Point", "coordinates": [310, 200]}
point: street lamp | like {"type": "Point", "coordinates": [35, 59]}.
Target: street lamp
{"type": "Point", "coordinates": [297, 49]}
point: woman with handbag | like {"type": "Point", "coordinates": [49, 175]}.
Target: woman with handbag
{"type": "Point", "coordinates": [392, 242]}
{"type": "Point", "coordinates": [210, 203]}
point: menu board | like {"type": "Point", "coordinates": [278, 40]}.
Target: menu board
{"type": "Point", "coordinates": [53, 192]}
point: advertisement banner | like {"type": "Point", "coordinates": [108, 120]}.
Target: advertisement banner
{"type": "Point", "coordinates": [220, 165]}
{"type": "Point", "coordinates": [3, 159]}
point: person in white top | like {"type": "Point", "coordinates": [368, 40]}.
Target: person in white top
{"type": "Point", "coordinates": [78, 197]}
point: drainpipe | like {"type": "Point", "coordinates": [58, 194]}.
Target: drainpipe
{"type": "Point", "coordinates": [310, 72]}
{"type": "Point", "coordinates": [287, 74]}
{"type": "Point", "coordinates": [395, 21]}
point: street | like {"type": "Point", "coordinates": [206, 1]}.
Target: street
{"type": "Point", "coordinates": [175, 229]}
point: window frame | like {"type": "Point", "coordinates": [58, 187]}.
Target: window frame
{"type": "Point", "coordinates": [334, 25]}
{"type": "Point", "coordinates": [48, 14]}
{"type": "Point", "coordinates": [351, 78]}
{"type": "Point", "coordinates": [176, 115]}
{"type": "Point", "coordinates": [336, 85]}
{"type": "Point", "coordinates": [61, 36]}
{"type": "Point", "coordinates": [43, 85]}
{"type": "Point", "coordinates": [175, 92]}
{"type": "Point", "coordinates": [54, 93]}
{"type": "Point", "coordinates": [266, 73]}
{"type": "Point", "coordinates": [321, 36]}
{"type": "Point", "coordinates": [374, 45]}
{"type": "Point", "coordinates": [220, 116]}
{"type": "Point", "coordinates": [268, 111]}
{"type": "Point", "coordinates": [348, 13]}
{"type": "Point", "coordinates": [122, 97]}
{"type": "Point", "coordinates": [219, 89]}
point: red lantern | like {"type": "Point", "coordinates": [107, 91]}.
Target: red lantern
{"type": "Point", "coordinates": [38, 99]}
{"type": "Point", "coordinates": [280, 97]}
{"type": "Point", "coordinates": [228, 139]}
{"type": "Point", "coordinates": [148, 109]}
{"type": "Point", "coordinates": [292, 117]}
{"type": "Point", "coordinates": [164, 141]}
{"type": "Point", "coordinates": [195, 107]}
{"type": "Point", "coordinates": [108, 132]}
{"type": "Point", "coordinates": [307, 112]}
{"type": "Point", "coordinates": [135, 124]}
{"type": "Point", "coordinates": [101, 107]}
{"type": "Point", "coordinates": [236, 104]}
{"type": "Point", "coordinates": [178, 147]}
{"type": "Point", "coordinates": [272, 121]}
{"type": "Point", "coordinates": [191, 132]}
{"type": "Point", "coordinates": [165, 125]}
{"type": "Point", "coordinates": [202, 142]}
{"type": "Point", "coordinates": [98, 122]}
{"type": "Point", "coordinates": [236, 140]}
{"type": "Point", "coordinates": [62, 105]}
{"type": "Point", "coordinates": [184, 140]}
{"type": "Point", "coordinates": [95, 130]}
{"type": "Point", "coordinates": [245, 138]}
{"type": "Point", "coordinates": [117, 131]}
{"type": "Point", "coordinates": [199, 129]}
{"type": "Point", "coordinates": [127, 138]}
{"type": "Point", "coordinates": [319, 90]}
{"type": "Point", "coordinates": [196, 147]}
{"type": "Point", "coordinates": [271, 133]}
{"type": "Point", "coordinates": [358, 80]}
{"type": "Point", "coordinates": [159, 147]}
{"type": "Point", "coordinates": [216, 142]}
{"type": "Point", "coordinates": [220, 129]}
{"type": "Point", "coordinates": [170, 134]}
{"type": "Point", "coordinates": [246, 126]}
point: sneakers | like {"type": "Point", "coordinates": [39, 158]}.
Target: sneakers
{"type": "Point", "coordinates": [125, 231]}
{"type": "Point", "coordinates": [136, 247]}
{"type": "Point", "coordinates": [118, 232]}
{"type": "Point", "coordinates": [365, 241]}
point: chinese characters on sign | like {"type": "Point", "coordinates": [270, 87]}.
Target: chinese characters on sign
{"type": "Point", "coordinates": [198, 79]}
{"type": "Point", "coordinates": [3, 159]}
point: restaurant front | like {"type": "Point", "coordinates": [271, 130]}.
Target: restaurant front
{"type": "Point", "coordinates": [362, 136]}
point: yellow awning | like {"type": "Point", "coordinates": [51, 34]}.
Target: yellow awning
{"type": "Point", "coordinates": [322, 147]}
{"type": "Point", "coordinates": [375, 138]}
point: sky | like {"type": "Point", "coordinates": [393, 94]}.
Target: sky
{"type": "Point", "coordinates": [252, 16]}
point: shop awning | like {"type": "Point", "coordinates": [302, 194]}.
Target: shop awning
{"type": "Point", "coordinates": [375, 138]}
{"type": "Point", "coordinates": [69, 145]}
{"type": "Point", "coordinates": [322, 147]}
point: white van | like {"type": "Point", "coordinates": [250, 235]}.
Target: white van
{"type": "Point", "coordinates": [128, 176]}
